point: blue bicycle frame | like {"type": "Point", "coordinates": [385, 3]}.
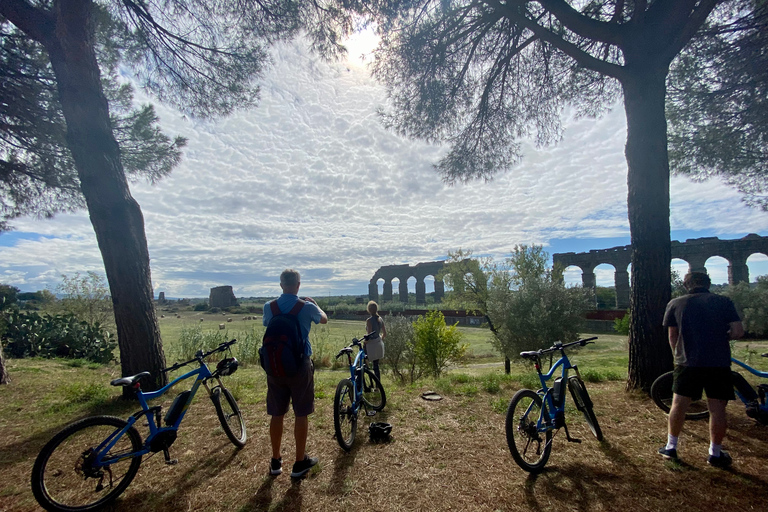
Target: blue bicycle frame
{"type": "Point", "coordinates": [356, 375]}
{"type": "Point", "coordinates": [758, 373]}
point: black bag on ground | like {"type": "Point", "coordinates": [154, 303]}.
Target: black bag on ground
{"type": "Point", "coordinates": [282, 348]}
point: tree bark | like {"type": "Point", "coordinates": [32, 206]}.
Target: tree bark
{"type": "Point", "coordinates": [4, 378]}
{"type": "Point", "coordinates": [116, 217]}
{"type": "Point", "coordinates": [648, 210]}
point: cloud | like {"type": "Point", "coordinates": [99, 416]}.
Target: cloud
{"type": "Point", "coordinates": [311, 180]}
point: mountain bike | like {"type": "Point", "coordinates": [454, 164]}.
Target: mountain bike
{"type": "Point", "coordinates": [533, 417]}
{"type": "Point", "coordinates": [92, 461]}
{"type": "Point", "coordinates": [754, 400]}
{"type": "Point", "coordinates": [361, 390]}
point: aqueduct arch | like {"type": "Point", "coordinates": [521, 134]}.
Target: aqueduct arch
{"type": "Point", "coordinates": [403, 273]}
{"type": "Point", "coordinates": [694, 251]}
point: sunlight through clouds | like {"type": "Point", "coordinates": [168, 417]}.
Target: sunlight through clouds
{"type": "Point", "coordinates": [311, 179]}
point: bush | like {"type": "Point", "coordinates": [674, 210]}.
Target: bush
{"type": "Point", "coordinates": [29, 334]}
{"type": "Point", "coordinates": [621, 325]}
{"type": "Point", "coordinates": [398, 354]}
{"type": "Point", "coordinates": [437, 345]}
{"type": "Point", "coordinates": [202, 306]}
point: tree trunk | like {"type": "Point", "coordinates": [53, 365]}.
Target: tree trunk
{"type": "Point", "coordinates": [648, 209]}
{"type": "Point", "coordinates": [4, 378]}
{"type": "Point", "coordinates": [115, 215]}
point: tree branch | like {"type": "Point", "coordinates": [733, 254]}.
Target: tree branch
{"type": "Point", "coordinates": [584, 26]}
{"type": "Point", "coordinates": [570, 49]}
{"type": "Point", "coordinates": [33, 21]}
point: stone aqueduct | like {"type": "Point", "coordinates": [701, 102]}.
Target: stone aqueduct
{"type": "Point", "coordinates": [694, 251]}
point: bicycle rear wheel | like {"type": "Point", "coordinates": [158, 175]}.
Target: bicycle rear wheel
{"type": "Point", "coordinates": [373, 392]}
{"type": "Point", "coordinates": [229, 415]}
{"type": "Point", "coordinates": [584, 404]}
{"type": "Point", "coordinates": [66, 477]}
{"type": "Point", "coordinates": [529, 447]}
{"type": "Point", "coordinates": [661, 392]}
{"type": "Point", "coordinates": [344, 415]}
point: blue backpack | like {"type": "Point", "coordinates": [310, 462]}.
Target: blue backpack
{"type": "Point", "coordinates": [282, 348]}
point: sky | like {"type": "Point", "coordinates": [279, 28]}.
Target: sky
{"type": "Point", "coordinates": [311, 180]}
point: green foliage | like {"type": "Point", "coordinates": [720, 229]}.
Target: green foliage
{"type": "Point", "coordinates": [621, 325]}
{"type": "Point", "coordinates": [437, 345]}
{"type": "Point", "coordinates": [86, 296]}
{"type": "Point", "coordinates": [201, 306]}
{"type": "Point", "coordinates": [29, 334]}
{"type": "Point", "coordinates": [716, 107]}
{"type": "Point", "coordinates": [752, 304]}
{"type": "Point", "coordinates": [399, 355]}
{"type": "Point", "coordinates": [530, 305]}
{"type": "Point", "coordinates": [193, 338]}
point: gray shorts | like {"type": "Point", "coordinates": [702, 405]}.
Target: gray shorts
{"type": "Point", "coordinates": [299, 389]}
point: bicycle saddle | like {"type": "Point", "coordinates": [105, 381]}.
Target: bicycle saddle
{"type": "Point", "coordinates": [531, 354]}
{"type": "Point", "coordinates": [130, 381]}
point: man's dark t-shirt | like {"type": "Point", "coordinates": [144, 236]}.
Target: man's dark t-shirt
{"type": "Point", "coordinates": [703, 320]}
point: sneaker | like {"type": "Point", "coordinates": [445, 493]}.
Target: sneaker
{"type": "Point", "coordinates": [302, 467]}
{"type": "Point", "coordinates": [275, 466]}
{"type": "Point", "coordinates": [723, 461]}
{"type": "Point", "coordinates": [669, 454]}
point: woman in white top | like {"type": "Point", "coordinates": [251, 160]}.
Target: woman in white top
{"type": "Point", "coordinates": [374, 347]}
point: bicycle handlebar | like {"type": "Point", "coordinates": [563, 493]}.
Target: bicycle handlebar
{"type": "Point", "coordinates": [356, 343]}
{"type": "Point", "coordinates": [557, 346]}
{"type": "Point", "coordinates": [200, 355]}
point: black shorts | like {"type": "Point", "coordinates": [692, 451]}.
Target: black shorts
{"type": "Point", "coordinates": [690, 382]}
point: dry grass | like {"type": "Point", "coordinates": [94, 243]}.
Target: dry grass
{"type": "Point", "coordinates": [445, 455]}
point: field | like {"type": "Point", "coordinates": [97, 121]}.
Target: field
{"type": "Point", "coordinates": [444, 455]}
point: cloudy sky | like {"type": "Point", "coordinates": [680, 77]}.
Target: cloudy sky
{"type": "Point", "coordinates": [311, 180]}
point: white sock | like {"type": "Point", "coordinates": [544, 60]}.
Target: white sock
{"type": "Point", "coordinates": [714, 449]}
{"type": "Point", "coordinates": [671, 442]}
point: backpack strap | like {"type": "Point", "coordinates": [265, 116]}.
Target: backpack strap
{"type": "Point", "coordinates": [297, 307]}
{"type": "Point", "coordinates": [274, 307]}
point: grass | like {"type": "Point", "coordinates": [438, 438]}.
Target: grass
{"type": "Point", "coordinates": [445, 455]}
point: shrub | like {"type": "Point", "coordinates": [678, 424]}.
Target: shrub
{"type": "Point", "coordinates": [29, 334]}
{"type": "Point", "coordinates": [621, 325]}
{"type": "Point", "coordinates": [399, 343]}
{"type": "Point", "coordinates": [437, 345]}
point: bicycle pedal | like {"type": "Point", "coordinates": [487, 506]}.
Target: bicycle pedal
{"type": "Point", "coordinates": [370, 413]}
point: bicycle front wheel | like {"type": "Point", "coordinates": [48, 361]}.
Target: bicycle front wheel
{"type": "Point", "coordinates": [373, 392]}
{"type": "Point", "coordinates": [584, 404]}
{"type": "Point", "coordinates": [229, 415]}
{"type": "Point", "coordinates": [661, 392]}
{"type": "Point", "coordinates": [66, 476]}
{"type": "Point", "coordinates": [529, 447]}
{"type": "Point", "coordinates": [344, 415]}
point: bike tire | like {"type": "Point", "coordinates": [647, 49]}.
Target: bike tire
{"type": "Point", "coordinates": [523, 438]}
{"type": "Point", "coordinates": [344, 417]}
{"type": "Point", "coordinates": [373, 392]}
{"type": "Point", "coordinates": [230, 417]}
{"type": "Point", "coordinates": [661, 393]}
{"type": "Point", "coordinates": [584, 404]}
{"type": "Point", "coordinates": [64, 481]}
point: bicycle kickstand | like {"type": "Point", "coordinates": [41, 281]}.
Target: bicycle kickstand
{"type": "Point", "coordinates": [168, 460]}
{"type": "Point", "coordinates": [568, 435]}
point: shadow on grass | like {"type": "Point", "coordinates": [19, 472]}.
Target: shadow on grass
{"type": "Point", "coordinates": [165, 498]}
{"type": "Point", "coordinates": [580, 486]}
{"type": "Point", "coordinates": [28, 447]}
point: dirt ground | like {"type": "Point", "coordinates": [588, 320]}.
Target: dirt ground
{"type": "Point", "coordinates": [444, 455]}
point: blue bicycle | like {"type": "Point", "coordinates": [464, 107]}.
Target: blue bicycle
{"type": "Point", "coordinates": [362, 390]}
{"type": "Point", "coordinates": [754, 400]}
{"type": "Point", "coordinates": [534, 416]}
{"type": "Point", "coordinates": [92, 461]}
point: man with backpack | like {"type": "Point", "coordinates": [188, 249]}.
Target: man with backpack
{"type": "Point", "coordinates": [285, 356]}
